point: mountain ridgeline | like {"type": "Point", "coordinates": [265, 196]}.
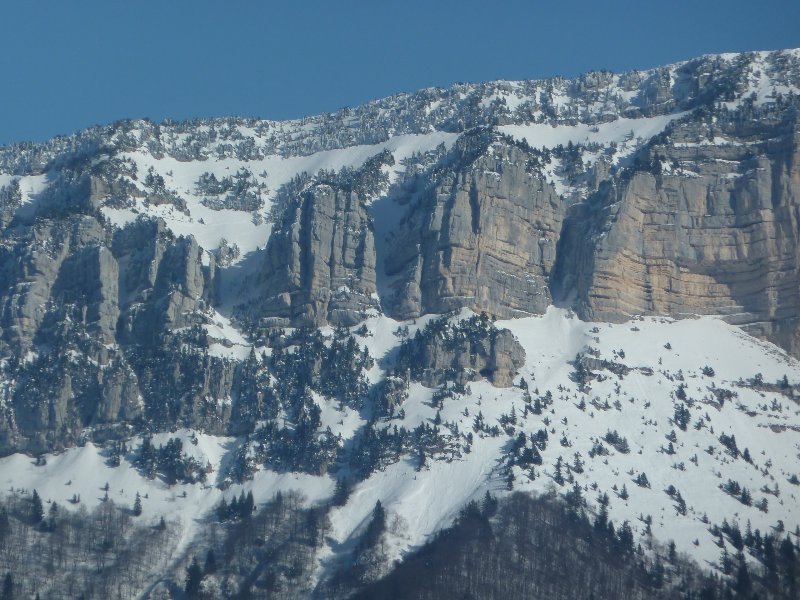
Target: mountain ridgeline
{"type": "Point", "coordinates": [129, 250]}
{"type": "Point", "coordinates": [520, 338]}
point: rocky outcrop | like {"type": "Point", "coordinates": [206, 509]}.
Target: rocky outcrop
{"type": "Point", "coordinates": [461, 352]}
{"type": "Point", "coordinates": [706, 223]}
{"type": "Point", "coordinates": [83, 315]}
{"type": "Point", "coordinates": [51, 263]}
{"type": "Point", "coordinates": [481, 236]}
{"type": "Point", "coordinates": [390, 395]}
{"type": "Point", "coordinates": [164, 282]}
{"type": "Point", "coordinates": [319, 265]}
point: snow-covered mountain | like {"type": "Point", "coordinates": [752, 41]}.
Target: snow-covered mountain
{"type": "Point", "coordinates": [271, 294]}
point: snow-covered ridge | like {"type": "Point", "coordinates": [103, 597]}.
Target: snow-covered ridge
{"type": "Point", "coordinates": [593, 97]}
{"type": "Point", "coordinates": [249, 230]}
{"type": "Point", "coordinates": [614, 114]}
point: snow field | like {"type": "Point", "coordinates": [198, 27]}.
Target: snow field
{"type": "Point", "coordinates": [421, 502]}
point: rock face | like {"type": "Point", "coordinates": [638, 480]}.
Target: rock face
{"type": "Point", "coordinates": [462, 352]}
{"type": "Point", "coordinates": [320, 261]}
{"type": "Point", "coordinates": [80, 306]}
{"type": "Point", "coordinates": [481, 236]}
{"type": "Point", "coordinates": [506, 197]}
{"type": "Point", "coordinates": [696, 228]}
{"type": "Point", "coordinates": [163, 281]}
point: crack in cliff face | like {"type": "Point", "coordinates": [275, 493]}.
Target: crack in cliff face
{"type": "Point", "coordinates": [306, 245]}
{"type": "Point", "coordinates": [475, 210]}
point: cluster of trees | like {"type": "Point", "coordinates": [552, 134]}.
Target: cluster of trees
{"type": "Point", "coordinates": [10, 197]}
{"type": "Point", "coordinates": [733, 488]}
{"type": "Point", "coordinates": [269, 553]}
{"type": "Point", "coordinates": [285, 384]}
{"type": "Point", "coordinates": [240, 191]}
{"type": "Point", "coordinates": [388, 397]}
{"type": "Point", "coordinates": [160, 193]}
{"type": "Point", "coordinates": [49, 552]}
{"type": "Point", "coordinates": [335, 370]}
{"type": "Point", "coordinates": [526, 547]}
{"type": "Point", "coordinates": [170, 462]}
{"type": "Point", "coordinates": [253, 394]}
{"type": "Point", "coordinates": [265, 551]}
{"type": "Point", "coordinates": [367, 181]}
{"type": "Point", "coordinates": [369, 558]}
{"type": "Point", "coordinates": [300, 446]}
{"type": "Point", "coordinates": [681, 416]}
{"type": "Point", "coordinates": [520, 546]}
{"type": "Point", "coordinates": [729, 442]}
{"type": "Point", "coordinates": [176, 364]}
{"type": "Point", "coordinates": [302, 365]}
{"type": "Point", "coordinates": [777, 574]}
{"type": "Point", "coordinates": [524, 455]}
{"type": "Point", "coordinates": [376, 447]}
{"type": "Point", "coordinates": [239, 508]}
{"type": "Point", "coordinates": [619, 443]}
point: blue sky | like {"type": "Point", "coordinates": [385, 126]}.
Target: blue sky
{"type": "Point", "coordinates": [68, 65]}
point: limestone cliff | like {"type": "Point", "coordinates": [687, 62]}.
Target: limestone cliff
{"type": "Point", "coordinates": [78, 301]}
{"type": "Point", "coordinates": [481, 235]}
{"type": "Point", "coordinates": [319, 264]}
{"type": "Point", "coordinates": [706, 222]}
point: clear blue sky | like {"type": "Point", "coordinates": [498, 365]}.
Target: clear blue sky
{"type": "Point", "coordinates": [65, 65]}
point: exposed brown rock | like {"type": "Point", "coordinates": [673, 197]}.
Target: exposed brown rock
{"type": "Point", "coordinates": [483, 237]}
{"type": "Point", "coordinates": [716, 234]}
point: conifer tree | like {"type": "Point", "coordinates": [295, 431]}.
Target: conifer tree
{"type": "Point", "coordinates": [37, 510]}
{"type": "Point", "coordinates": [5, 524]}
{"type": "Point", "coordinates": [489, 505]}
{"type": "Point", "coordinates": [194, 577]}
{"type": "Point", "coordinates": [222, 510]}
{"type": "Point", "coordinates": [574, 497]}
{"type": "Point", "coordinates": [248, 506]}
{"type": "Point", "coordinates": [743, 581]}
{"type": "Point", "coordinates": [137, 505]}
{"type": "Point", "coordinates": [558, 476]}
{"type": "Point", "coordinates": [340, 492]}
{"type": "Point", "coordinates": [52, 516]}
{"type": "Point", "coordinates": [376, 526]}
{"type": "Point", "coordinates": [601, 520]}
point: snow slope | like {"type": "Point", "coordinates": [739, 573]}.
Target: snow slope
{"type": "Point", "coordinates": [660, 353]}
{"type": "Point", "coordinates": [248, 231]}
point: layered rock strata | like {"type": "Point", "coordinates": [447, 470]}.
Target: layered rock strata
{"type": "Point", "coordinates": [697, 227]}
